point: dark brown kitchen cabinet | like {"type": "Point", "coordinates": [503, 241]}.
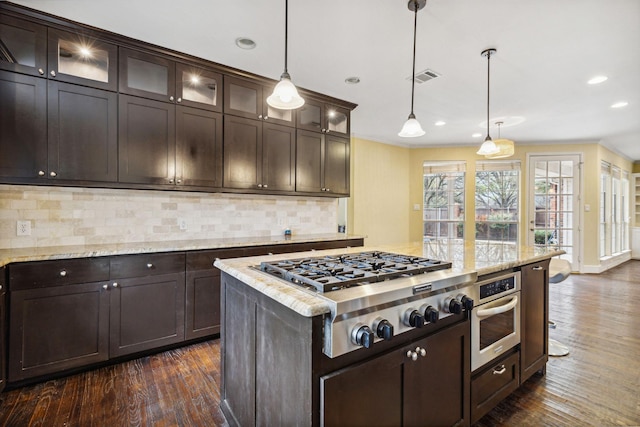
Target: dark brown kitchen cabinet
{"type": "Point", "coordinates": [322, 163]}
{"type": "Point", "coordinates": [535, 318]}
{"type": "Point", "coordinates": [23, 126]}
{"type": "Point", "coordinates": [3, 328]}
{"type": "Point", "coordinates": [490, 386]}
{"type": "Point", "coordinates": [79, 59]}
{"type": "Point", "coordinates": [247, 98]}
{"type": "Point", "coordinates": [59, 316]}
{"type": "Point", "coordinates": [158, 77]}
{"type": "Point", "coordinates": [258, 155]}
{"type": "Point", "coordinates": [395, 390]}
{"type": "Point", "coordinates": [322, 117]}
{"type": "Point", "coordinates": [146, 302]}
{"type": "Point", "coordinates": [23, 46]}
{"type": "Point", "coordinates": [83, 139]}
{"type": "Point", "coordinates": [161, 143]}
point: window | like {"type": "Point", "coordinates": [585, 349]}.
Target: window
{"type": "Point", "coordinates": [497, 200]}
{"type": "Point", "coordinates": [443, 203]}
{"type": "Point", "coordinates": [614, 210]}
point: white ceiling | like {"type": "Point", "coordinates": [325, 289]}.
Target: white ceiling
{"type": "Point", "coordinates": [546, 52]}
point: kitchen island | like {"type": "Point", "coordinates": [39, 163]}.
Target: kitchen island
{"type": "Point", "coordinates": [276, 371]}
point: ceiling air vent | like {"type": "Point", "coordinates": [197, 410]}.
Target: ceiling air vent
{"type": "Point", "coordinates": [425, 76]}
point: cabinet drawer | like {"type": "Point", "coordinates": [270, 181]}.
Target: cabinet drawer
{"type": "Point", "coordinates": [40, 274]}
{"type": "Point", "coordinates": [494, 384]}
{"type": "Point", "coordinates": [203, 260]}
{"type": "Point", "coordinates": [146, 265]}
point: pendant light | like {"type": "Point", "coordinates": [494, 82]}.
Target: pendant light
{"type": "Point", "coordinates": [505, 146]}
{"type": "Point", "coordinates": [285, 95]}
{"type": "Point", "coordinates": [412, 128]}
{"type": "Point", "coordinates": [488, 147]}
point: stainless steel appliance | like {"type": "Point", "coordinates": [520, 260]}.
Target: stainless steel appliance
{"type": "Point", "coordinates": [495, 319]}
{"type": "Point", "coordinates": [377, 296]}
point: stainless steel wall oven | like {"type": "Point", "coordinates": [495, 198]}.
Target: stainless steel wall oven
{"type": "Point", "coordinates": [495, 319]}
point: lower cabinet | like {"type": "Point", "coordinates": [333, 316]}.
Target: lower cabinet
{"type": "Point", "coordinates": [535, 319]}
{"type": "Point", "coordinates": [493, 384]}
{"type": "Point", "coordinates": [395, 390]}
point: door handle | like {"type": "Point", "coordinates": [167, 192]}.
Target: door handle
{"type": "Point", "coordinates": [488, 312]}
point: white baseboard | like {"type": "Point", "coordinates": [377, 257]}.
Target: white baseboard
{"type": "Point", "coordinates": [607, 263]}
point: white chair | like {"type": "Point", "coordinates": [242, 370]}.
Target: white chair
{"type": "Point", "coordinates": [559, 269]}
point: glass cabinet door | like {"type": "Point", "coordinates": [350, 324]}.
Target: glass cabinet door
{"type": "Point", "coordinates": [199, 88]}
{"type": "Point", "coordinates": [311, 116]}
{"type": "Point", "coordinates": [242, 98]}
{"type": "Point", "coordinates": [79, 59]}
{"type": "Point", "coordinates": [146, 75]}
{"type": "Point", "coordinates": [23, 46]}
{"type": "Point", "coordinates": [337, 120]}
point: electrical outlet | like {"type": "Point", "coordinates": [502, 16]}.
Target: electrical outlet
{"type": "Point", "coordinates": [23, 228]}
{"type": "Point", "coordinates": [182, 223]}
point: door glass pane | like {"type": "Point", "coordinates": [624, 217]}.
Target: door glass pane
{"type": "Point", "coordinates": [147, 76]}
{"type": "Point", "coordinates": [310, 115]}
{"type": "Point", "coordinates": [82, 59]}
{"type": "Point", "coordinates": [243, 99]}
{"type": "Point", "coordinates": [337, 121]}
{"type": "Point", "coordinates": [198, 88]}
{"type": "Point", "coordinates": [17, 45]}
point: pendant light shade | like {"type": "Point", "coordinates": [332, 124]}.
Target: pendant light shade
{"type": "Point", "coordinates": [505, 146]}
{"type": "Point", "coordinates": [411, 127]}
{"type": "Point", "coordinates": [285, 95]}
{"type": "Point", "coordinates": [488, 147]}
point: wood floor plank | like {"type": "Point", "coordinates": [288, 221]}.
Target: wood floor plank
{"type": "Point", "coordinates": [595, 385]}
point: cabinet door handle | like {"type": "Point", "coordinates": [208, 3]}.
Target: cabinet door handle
{"type": "Point", "coordinates": [41, 71]}
{"type": "Point", "coordinates": [260, 116]}
{"type": "Point", "coordinates": [179, 99]}
{"type": "Point", "coordinates": [537, 268]}
{"type": "Point", "coordinates": [115, 284]}
{"type": "Point", "coordinates": [53, 73]}
{"type": "Point", "coordinates": [171, 98]}
{"type": "Point", "coordinates": [149, 265]}
{"type": "Point", "coordinates": [63, 273]}
{"type": "Point", "coordinates": [41, 173]}
{"type": "Point", "coordinates": [499, 370]}
{"type": "Point", "coordinates": [53, 174]}
{"type": "Point", "coordinates": [105, 287]}
{"type": "Point", "coordinates": [264, 185]}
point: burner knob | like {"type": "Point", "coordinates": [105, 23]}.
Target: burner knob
{"type": "Point", "coordinates": [362, 335]}
{"type": "Point", "coordinates": [414, 319]}
{"type": "Point", "coordinates": [431, 314]}
{"type": "Point", "coordinates": [384, 329]}
{"type": "Point", "coordinates": [467, 303]}
{"type": "Point", "coordinates": [452, 305]}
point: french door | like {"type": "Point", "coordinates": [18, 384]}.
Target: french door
{"type": "Point", "coordinates": [554, 204]}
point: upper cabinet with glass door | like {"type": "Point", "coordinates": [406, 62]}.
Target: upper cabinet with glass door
{"type": "Point", "coordinates": [322, 117]}
{"type": "Point", "coordinates": [79, 59]}
{"type": "Point", "coordinates": [23, 46]}
{"type": "Point", "coordinates": [157, 77]}
{"type": "Point", "coordinates": [247, 98]}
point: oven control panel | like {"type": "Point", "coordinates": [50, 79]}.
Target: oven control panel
{"type": "Point", "coordinates": [497, 287]}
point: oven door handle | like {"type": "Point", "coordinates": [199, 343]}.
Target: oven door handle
{"type": "Point", "coordinates": [488, 312]}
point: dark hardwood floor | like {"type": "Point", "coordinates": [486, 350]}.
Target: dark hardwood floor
{"type": "Point", "coordinates": [597, 384]}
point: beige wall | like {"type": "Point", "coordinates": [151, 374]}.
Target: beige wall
{"type": "Point", "coordinates": [379, 206]}
{"type": "Point", "coordinates": [379, 169]}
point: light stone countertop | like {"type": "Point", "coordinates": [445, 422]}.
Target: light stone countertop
{"type": "Point", "coordinates": [8, 256]}
{"type": "Point", "coordinates": [484, 259]}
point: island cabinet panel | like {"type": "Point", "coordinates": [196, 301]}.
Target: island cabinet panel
{"type": "Point", "coordinates": [493, 384]}
{"type": "Point", "coordinates": [535, 319]}
{"type": "Point", "coordinates": [395, 390]}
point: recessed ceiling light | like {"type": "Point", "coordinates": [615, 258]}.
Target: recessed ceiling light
{"type": "Point", "coordinates": [245, 43]}
{"type": "Point", "coordinates": [476, 135]}
{"type": "Point", "coordinates": [620, 104]}
{"type": "Point", "coordinates": [597, 79]}
{"type": "Point", "coordinates": [440, 123]}
{"type": "Point", "coordinates": [354, 80]}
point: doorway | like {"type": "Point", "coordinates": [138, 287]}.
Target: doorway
{"type": "Point", "coordinates": [554, 204]}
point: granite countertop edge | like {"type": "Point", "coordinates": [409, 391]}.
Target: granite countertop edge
{"type": "Point", "coordinates": [44, 253]}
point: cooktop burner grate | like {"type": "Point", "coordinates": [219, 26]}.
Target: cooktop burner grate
{"type": "Point", "coordinates": [329, 273]}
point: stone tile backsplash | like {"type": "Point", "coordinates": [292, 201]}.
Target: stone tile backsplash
{"type": "Point", "coordinates": [61, 216]}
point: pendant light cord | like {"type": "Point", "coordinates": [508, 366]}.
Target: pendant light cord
{"type": "Point", "coordinates": [488, 77]}
{"type": "Point", "coordinates": [413, 74]}
{"type": "Point", "coordinates": [286, 33]}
